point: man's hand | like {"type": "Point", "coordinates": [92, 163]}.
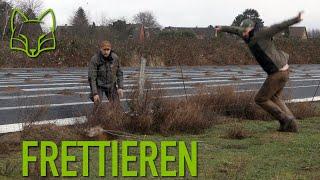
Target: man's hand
{"type": "Point", "coordinates": [96, 99]}
{"type": "Point", "coordinates": [120, 93]}
{"type": "Point", "coordinates": [300, 15]}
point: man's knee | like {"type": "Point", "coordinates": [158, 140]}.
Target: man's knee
{"type": "Point", "coordinates": [259, 100]}
{"type": "Point", "coordinates": [276, 99]}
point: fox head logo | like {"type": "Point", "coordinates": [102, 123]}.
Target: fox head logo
{"type": "Point", "coordinates": [21, 41]}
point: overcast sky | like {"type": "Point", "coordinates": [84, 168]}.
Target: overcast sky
{"type": "Point", "coordinates": [189, 13]}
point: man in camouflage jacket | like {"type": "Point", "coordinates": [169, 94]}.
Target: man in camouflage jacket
{"type": "Point", "coordinates": [105, 75]}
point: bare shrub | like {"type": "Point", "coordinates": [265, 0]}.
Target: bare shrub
{"type": "Point", "coordinates": [184, 117]}
{"type": "Point", "coordinates": [109, 116]}
{"type": "Point", "coordinates": [9, 142]}
{"type": "Point", "coordinates": [226, 101]}
{"type": "Point", "coordinates": [304, 110]}
{"type": "Point", "coordinates": [152, 113]}
{"type": "Point", "coordinates": [142, 109]}
{"type": "Point", "coordinates": [170, 117]}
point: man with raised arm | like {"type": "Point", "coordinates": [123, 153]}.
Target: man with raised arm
{"type": "Point", "coordinates": [274, 62]}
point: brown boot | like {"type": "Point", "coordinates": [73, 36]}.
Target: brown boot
{"type": "Point", "coordinates": [281, 128]}
{"type": "Point", "coordinates": [289, 126]}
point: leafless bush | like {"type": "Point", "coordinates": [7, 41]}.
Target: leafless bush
{"type": "Point", "coordinates": [226, 101]}
{"type": "Point", "coordinates": [143, 108]}
{"type": "Point", "coordinates": [184, 117]}
{"type": "Point", "coordinates": [109, 116]}
{"type": "Point", "coordinates": [152, 113]}
{"type": "Point", "coordinates": [304, 110]}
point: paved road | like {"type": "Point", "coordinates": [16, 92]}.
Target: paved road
{"type": "Point", "coordinates": [63, 93]}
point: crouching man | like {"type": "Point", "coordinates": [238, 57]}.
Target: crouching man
{"type": "Point", "coordinates": [274, 62]}
{"type": "Point", "coordinates": [105, 75]}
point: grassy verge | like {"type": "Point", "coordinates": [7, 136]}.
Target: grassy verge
{"type": "Point", "coordinates": [262, 153]}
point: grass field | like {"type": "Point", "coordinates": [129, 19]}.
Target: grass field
{"type": "Point", "coordinates": [232, 150]}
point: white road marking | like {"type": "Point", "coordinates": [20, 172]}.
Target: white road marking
{"type": "Point", "coordinates": [51, 105]}
{"type": "Point", "coordinates": [8, 128]}
{"type": "Point", "coordinates": [191, 82]}
{"type": "Point", "coordinates": [54, 89]}
{"type": "Point", "coordinates": [65, 88]}
{"type": "Point", "coordinates": [27, 96]}
{"type": "Point", "coordinates": [309, 99]}
{"type": "Point", "coordinates": [48, 84]}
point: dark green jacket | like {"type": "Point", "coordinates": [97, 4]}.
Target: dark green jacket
{"type": "Point", "coordinates": [105, 72]}
{"type": "Point", "coordinates": [262, 46]}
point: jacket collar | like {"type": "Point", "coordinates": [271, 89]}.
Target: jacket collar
{"type": "Point", "coordinates": [105, 59]}
{"type": "Point", "coordinates": [251, 34]}
{"type": "Point", "coordinates": [257, 28]}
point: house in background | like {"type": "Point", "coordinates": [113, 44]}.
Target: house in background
{"type": "Point", "coordinates": [296, 32]}
{"type": "Point", "coordinates": [63, 30]}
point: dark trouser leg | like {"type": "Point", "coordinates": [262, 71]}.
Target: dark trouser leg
{"type": "Point", "coordinates": [277, 99]}
{"type": "Point", "coordinates": [112, 95]}
{"type": "Point", "coordinates": [268, 92]}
